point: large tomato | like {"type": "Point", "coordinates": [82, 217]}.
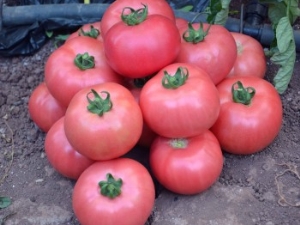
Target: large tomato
{"type": "Point", "coordinates": [119, 191]}
{"type": "Point", "coordinates": [43, 108]}
{"type": "Point", "coordinates": [61, 155]}
{"type": "Point", "coordinates": [78, 63]}
{"type": "Point", "coordinates": [251, 60]}
{"type": "Point", "coordinates": [188, 165]}
{"type": "Point", "coordinates": [92, 30]}
{"type": "Point", "coordinates": [143, 48]}
{"type": "Point", "coordinates": [180, 101]}
{"type": "Point", "coordinates": [103, 121]}
{"type": "Point", "coordinates": [211, 47]}
{"type": "Point", "coordinates": [250, 116]}
{"type": "Point", "coordinates": [112, 14]}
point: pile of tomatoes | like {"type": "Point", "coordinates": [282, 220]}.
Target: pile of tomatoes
{"type": "Point", "coordinates": [140, 76]}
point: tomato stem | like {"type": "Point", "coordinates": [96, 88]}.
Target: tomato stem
{"type": "Point", "coordinates": [93, 32]}
{"type": "Point", "coordinates": [99, 106]}
{"type": "Point", "coordinates": [135, 17]}
{"type": "Point", "coordinates": [242, 95]}
{"type": "Point", "coordinates": [84, 61]}
{"type": "Point", "coordinates": [195, 36]}
{"type": "Point", "coordinates": [177, 80]}
{"type": "Point", "coordinates": [110, 188]}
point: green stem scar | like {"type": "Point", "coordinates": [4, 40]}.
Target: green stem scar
{"type": "Point", "coordinates": [84, 61]}
{"type": "Point", "coordinates": [177, 80]}
{"type": "Point", "coordinates": [110, 187]}
{"type": "Point", "coordinates": [135, 17]}
{"type": "Point", "coordinates": [99, 105]}
{"type": "Point", "coordinates": [242, 95]}
{"type": "Point", "coordinates": [93, 32]}
{"type": "Point", "coordinates": [195, 36]}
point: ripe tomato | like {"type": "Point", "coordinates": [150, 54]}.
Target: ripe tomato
{"type": "Point", "coordinates": [188, 165]}
{"type": "Point", "coordinates": [61, 155]}
{"type": "Point", "coordinates": [130, 201]}
{"type": "Point", "coordinates": [92, 30]}
{"type": "Point", "coordinates": [78, 63]}
{"type": "Point", "coordinates": [249, 126]}
{"type": "Point", "coordinates": [251, 60]}
{"type": "Point", "coordinates": [109, 127]}
{"type": "Point", "coordinates": [43, 108]}
{"type": "Point", "coordinates": [185, 110]}
{"type": "Point", "coordinates": [143, 49]}
{"type": "Point", "coordinates": [212, 49]}
{"type": "Point", "coordinates": [112, 14]}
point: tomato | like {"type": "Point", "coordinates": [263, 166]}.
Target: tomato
{"type": "Point", "coordinates": [61, 155]}
{"type": "Point", "coordinates": [251, 120]}
{"type": "Point", "coordinates": [186, 166]}
{"type": "Point", "coordinates": [106, 126]}
{"type": "Point", "coordinates": [78, 63]}
{"type": "Point", "coordinates": [212, 49]}
{"type": "Point", "coordinates": [143, 49]}
{"type": "Point", "coordinates": [92, 30]}
{"type": "Point", "coordinates": [180, 101]}
{"type": "Point", "coordinates": [112, 14]}
{"type": "Point", "coordinates": [130, 201]}
{"type": "Point", "coordinates": [43, 108]}
{"type": "Point", "coordinates": [251, 60]}
{"type": "Point", "coordinates": [148, 135]}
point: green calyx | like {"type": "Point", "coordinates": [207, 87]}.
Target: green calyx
{"type": "Point", "coordinates": [93, 32]}
{"type": "Point", "coordinates": [84, 61]}
{"type": "Point", "coordinates": [242, 95]}
{"type": "Point", "coordinates": [179, 143]}
{"type": "Point", "coordinates": [99, 105]}
{"type": "Point", "coordinates": [111, 187]}
{"type": "Point", "coordinates": [177, 80]}
{"type": "Point", "coordinates": [195, 36]}
{"type": "Point", "coordinates": [135, 17]}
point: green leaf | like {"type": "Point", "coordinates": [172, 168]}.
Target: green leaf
{"type": "Point", "coordinates": [285, 56]}
{"type": "Point", "coordinates": [49, 33]}
{"type": "Point", "coordinates": [276, 12]}
{"type": "Point", "coordinates": [4, 202]}
{"type": "Point", "coordinates": [187, 8]}
{"type": "Point", "coordinates": [222, 15]}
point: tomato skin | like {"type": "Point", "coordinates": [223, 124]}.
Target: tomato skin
{"type": "Point", "coordinates": [64, 79]}
{"type": "Point", "coordinates": [87, 28]}
{"type": "Point", "coordinates": [181, 22]}
{"type": "Point", "coordinates": [113, 13]}
{"type": "Point", "coordinates": [183, 112]}
{"type": "Point", "coordinates": [108, 136]}
{"type": "Point", "coordinates": [243, 129]}
{"type": "Point", "coordinates": [135, 58]}
{"type": "Point", "coordinates": [61, 155]}
{"type": "Point", "coordinates": [216, 54]}
{"type": "Point", "coordinates": [43, 108]}
{"type": "Point", "coordinates": [132, 207]}
{"type": "Point", "coordinates": [251, 60]}
{"type": "Point", "coordinates": [188, 170]}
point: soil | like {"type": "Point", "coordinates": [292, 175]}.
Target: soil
{"type": "Point", "coordinates": [270, 179]}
